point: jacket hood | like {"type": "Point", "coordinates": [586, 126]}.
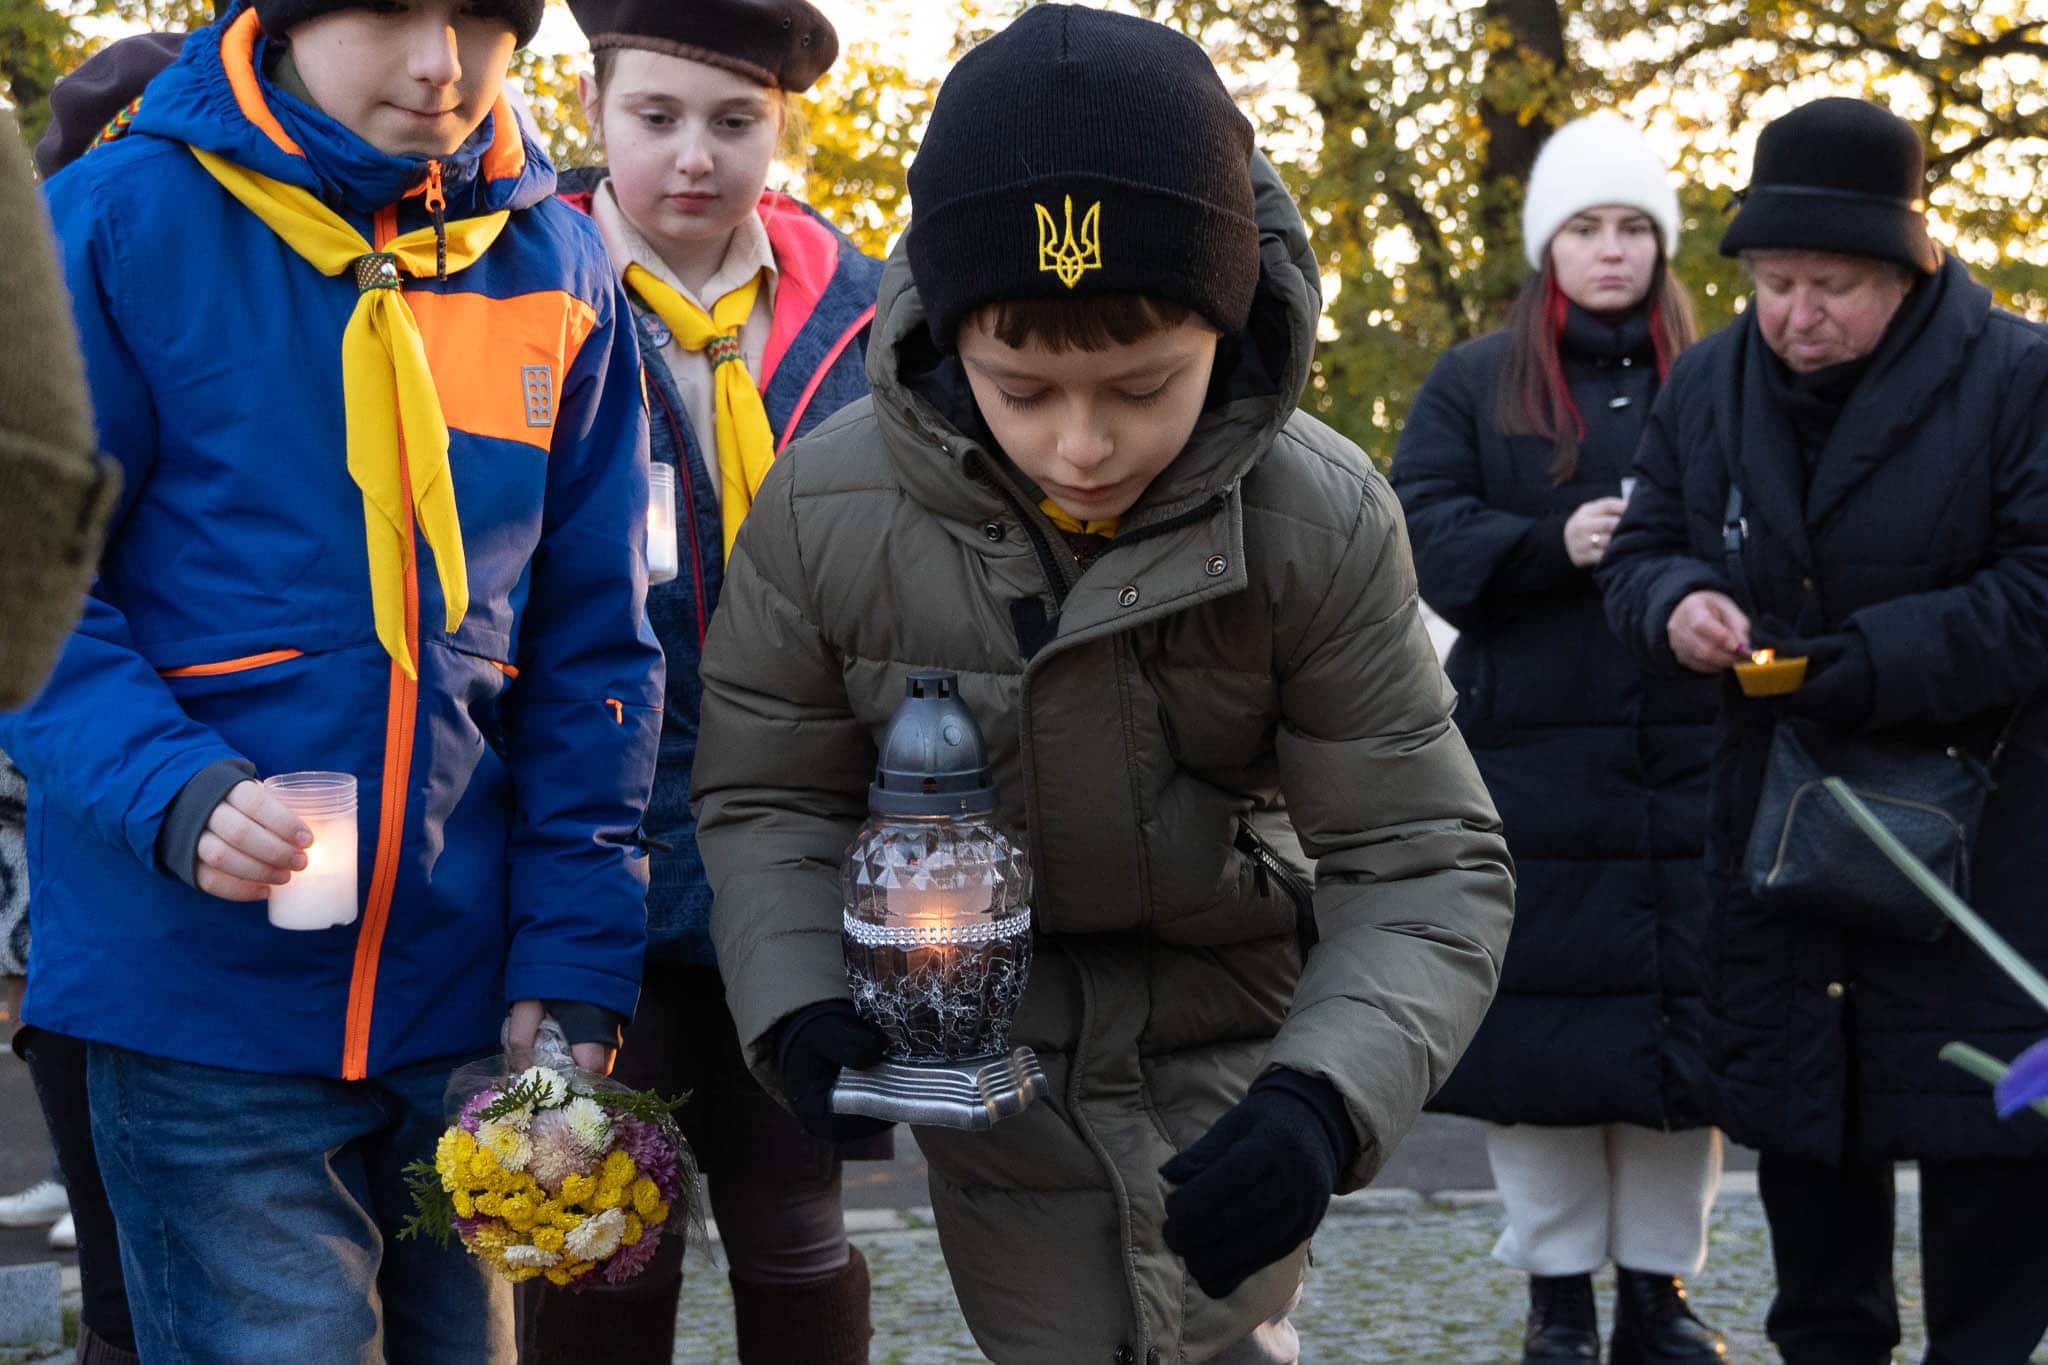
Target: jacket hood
{"type": "Point", "coordinates": [1265, 368]}
{"type": "Point", "coordinates": [218, 97]}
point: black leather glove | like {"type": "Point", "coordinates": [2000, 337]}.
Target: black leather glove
{"type": "Point", "coordinates": [1840, 690]}
{"type": "Point", "coordinates": [816, 1041]}
{"type": "Point", "coordinates": [1255, 1186]}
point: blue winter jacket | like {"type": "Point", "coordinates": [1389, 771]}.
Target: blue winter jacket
{"type": "Point", "coordinates": [815, 364]}
{"type": "Point", "coordinates": [502, 793]}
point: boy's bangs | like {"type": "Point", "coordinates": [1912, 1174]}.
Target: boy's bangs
{"type": "Point", "coordinates": [1093, 322]}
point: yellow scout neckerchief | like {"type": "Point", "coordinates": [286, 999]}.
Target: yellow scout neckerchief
{"type": "Point", "coordinates": [1073, 525]}
{"type": "Point", "coordinates": [746, 443]}
{"type": "Point", "coordinates": [386, 385]}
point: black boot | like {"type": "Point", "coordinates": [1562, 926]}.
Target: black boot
{"type": "Point", "coordinates": [1654, 1325]}
{"type": "Point", "coordinates": [1562, 1322]}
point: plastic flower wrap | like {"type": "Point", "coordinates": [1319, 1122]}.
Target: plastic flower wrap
{"type": "Point", "coordinates": [550, 1172]}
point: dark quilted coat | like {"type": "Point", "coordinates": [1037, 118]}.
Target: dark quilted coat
{"type": "Point", "coordinates": [1599, 770]}
{"type": "Point", "coordinates": [1921, 525]}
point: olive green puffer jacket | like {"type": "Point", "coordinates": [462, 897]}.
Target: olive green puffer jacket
{"type": "Point", "coordinates": [1248, 649]}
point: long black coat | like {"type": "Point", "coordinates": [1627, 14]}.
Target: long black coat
{"type": "Point", "coordinates": [1924, 528]}
{"type": "Point", "coordinates": [1599, 775]}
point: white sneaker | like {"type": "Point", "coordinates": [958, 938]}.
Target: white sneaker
{"type": "Point", "coordinates": [64, 1234]}
{"type": "Point", "coordinates": [42, 1202]}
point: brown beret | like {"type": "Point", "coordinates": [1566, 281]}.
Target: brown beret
{"type": "Point", "coordinates": [786, 44]}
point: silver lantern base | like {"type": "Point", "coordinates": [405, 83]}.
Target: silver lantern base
{"type": "Point", "coordinates": [971, 1094]}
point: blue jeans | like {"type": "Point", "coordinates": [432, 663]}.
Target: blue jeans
{"type": "Point", "coordinates": [259, 1216]}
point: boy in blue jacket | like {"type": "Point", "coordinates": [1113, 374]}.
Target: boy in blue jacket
{"type": "Point", "coordinates": [375, 397]}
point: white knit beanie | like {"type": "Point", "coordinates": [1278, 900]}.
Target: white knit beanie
{"type": "Point", "coordinates": [1591, 163]}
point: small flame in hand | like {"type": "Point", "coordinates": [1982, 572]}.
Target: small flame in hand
{"type": "Point", "coordinates": [1763, 656]}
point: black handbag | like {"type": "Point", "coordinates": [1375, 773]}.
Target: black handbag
{"type": "Point", "coordinates": [1804, 852]}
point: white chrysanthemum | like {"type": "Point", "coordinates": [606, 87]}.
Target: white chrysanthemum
{"type": "Point", "coordinates": [590, 1123]}
{"type": "Point", "coordinates": [595, 1238]}
{"type": "Point", "coordinates": [507, 1141]}
{"type": "Point", "coordinates": [522, 1254]}
{"type": "Point", "coordinates": [557, 1152]}
{"type": "Point", "coordinates": [554, 1089]}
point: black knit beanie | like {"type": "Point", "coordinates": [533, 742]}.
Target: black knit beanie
{"type": "Point", "coordinates": [1839, 175]}
{"type": "Point", "coordinates": [1083, 152]}
{"type": "Point", "coordinates": [280, 16]}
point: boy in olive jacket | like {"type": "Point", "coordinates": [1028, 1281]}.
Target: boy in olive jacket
{"type": "Point", "coordinates": [1184, 616]}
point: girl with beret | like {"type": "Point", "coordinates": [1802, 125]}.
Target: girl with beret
{"type": "Point", "coordinates": [1587, 1068]}
{"type": "Point", "coordinates": [753, 314]}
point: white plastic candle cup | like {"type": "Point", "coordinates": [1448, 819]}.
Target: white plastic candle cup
{"type": "Point", "coordinates": [323, 893]}
{"type": "Point", "coordinates": [663, 560]}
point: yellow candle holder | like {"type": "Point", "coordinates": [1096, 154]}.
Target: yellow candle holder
{"type": "Point", "coordinates": [1767, 675]}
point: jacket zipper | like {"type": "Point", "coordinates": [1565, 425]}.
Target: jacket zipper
{"type": "Point", "coordinates": [400, 720]}
{"type": "Point", "coordinates": [1306, 934]}
{"type": "Point", "coordinates": [437, 206]}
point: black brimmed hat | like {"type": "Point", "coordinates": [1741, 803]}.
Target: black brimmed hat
{"type": "Point", "coordinates": [1839, 175]}
{"type": "Point", "coordinates": [1083, 152]}
{"type": "Point", "coordinates": [783, 44]}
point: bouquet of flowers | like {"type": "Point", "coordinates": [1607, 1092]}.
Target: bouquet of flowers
{"type": "Point", "coordinates": [555, 1172]}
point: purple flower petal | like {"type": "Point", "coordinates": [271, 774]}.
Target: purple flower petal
{"type": "Point", "coordinates": [2026, 1082]}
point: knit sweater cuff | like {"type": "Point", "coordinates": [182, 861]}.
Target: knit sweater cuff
{"type": "Point", "coordinates": [177, 839]}
{"type": "Point", "coordinates": [54, 507]}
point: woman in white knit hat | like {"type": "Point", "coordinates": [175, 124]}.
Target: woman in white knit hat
{"type": "Point", "coordinates": [1513, 469]}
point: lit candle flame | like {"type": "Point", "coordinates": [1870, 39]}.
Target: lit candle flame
{"type": "Point", "coordinates": [1763, 656]}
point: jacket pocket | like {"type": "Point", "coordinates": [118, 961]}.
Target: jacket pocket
{"type": "Point", "coordinates": [244, 664]}
{"type": "Point", "coordinates": [1271, 866]}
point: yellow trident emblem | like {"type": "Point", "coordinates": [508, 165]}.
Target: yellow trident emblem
{"type": "Point", "coordinates": [1063, 255]}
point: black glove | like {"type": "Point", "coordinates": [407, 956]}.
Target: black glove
{"type": "Point", "coordinates": [1841, 683]}
{"type": "Point", "coordinates": [816, 1041]}
{"type": "Point", "coordinates": [1257, 1184]}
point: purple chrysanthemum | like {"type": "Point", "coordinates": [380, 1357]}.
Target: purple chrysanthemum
{"type": "Point", "coordinates": [474, 1106]}
{"type": "Point", "coordinates": [653, 1154]}
{"type": "Point", "coordinates": [627, 1262]}
{"type": "Point", "coordinates": [2025, 1082]}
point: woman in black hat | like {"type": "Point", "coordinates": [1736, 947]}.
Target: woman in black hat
{"type": "Point", "coordinates": [753, 317]}
{"type": "Point", "coordinates": [1887, 430]}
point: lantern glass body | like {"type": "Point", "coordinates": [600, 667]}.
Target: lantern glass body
{"type": "Point", "coordinates": [937, 934]}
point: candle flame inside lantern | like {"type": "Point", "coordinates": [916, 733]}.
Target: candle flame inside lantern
{"type": "Point", "coordinates": [1763, 656]}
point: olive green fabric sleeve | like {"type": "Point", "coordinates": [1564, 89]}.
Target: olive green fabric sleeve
{"type": "Point", "coordinates": [55, 494]}
{"type": "Point", "coordinates": [1414, 884]}
{"type": "Point", "coordinates": [781, 780]}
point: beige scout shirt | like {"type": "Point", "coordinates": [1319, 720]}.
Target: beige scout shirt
{"type": "Point", "coordinates": [747, 254]}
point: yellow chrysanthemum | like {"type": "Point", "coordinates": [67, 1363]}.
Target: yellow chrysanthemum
{"type": "Point", "coordinates": [520, 1274]}
{"type": "Point", "coordinates": [646, 1197]}
{"type": "Point", "coordinates": [492, 1235]}
{"type": "Point", "coordinates": [566, 1219]}
{"type": "Point", "coordinates": [659, 1214]}
{"type": "Point", "coordinates": [633, 1231]}
{"type": "Point", "coordinates": [483, 1167]}
{"type": "Point", "coordinates": [451, 1156]}
{"type": "Point", "coordinates": [465, 1207]}
{"type": "Point", "coordinates": [557, 1275]}
{"type": "Point", "coordinates": [608, 1197]}
{"type": "Point", "coordinates": [518, 1210]}
{"type": "Point", "coordinates": [576, 1268]}
{"type": "Point", "coordinates": [548, 1238]}
{"type": "Point", "coordinates": [578, 1189]}
{"type": "Point", "coordinates": [618, 1170]}
{"type": "Point", "coordinates": [490, 1204]}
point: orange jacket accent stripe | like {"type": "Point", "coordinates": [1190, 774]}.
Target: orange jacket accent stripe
{"type": "Point", "coordinates": [485, 354]}
{"type": "Point", "coordinates": [400, 719]}
{"type": "Point", "coordinates": [241, 665]}
{"type": "Point", "coordinates": [238, 58]}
